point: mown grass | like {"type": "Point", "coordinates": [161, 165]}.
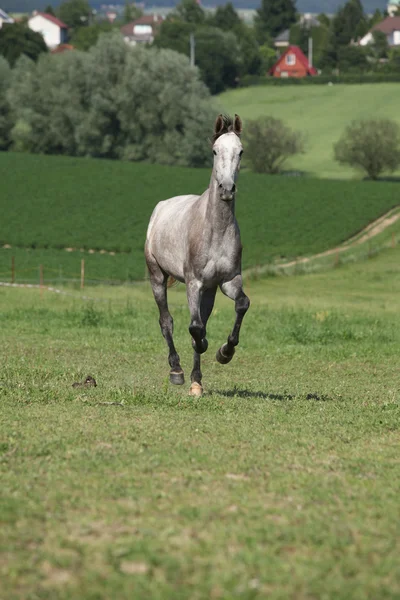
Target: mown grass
{"type": "Point", "coordinates": [105, 205]}
{"type": "Point", "coordinates": [321, 113]}
{"type": "Point", "coordinates": [281, 482]}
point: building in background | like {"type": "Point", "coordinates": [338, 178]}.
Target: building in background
{"type": "Point", "coordinates": [142, 30]}
{"type": "Point", "coordinates": [5, 18]}
{"type": "Point", "coordinates": [292, 63]}
{"type": "Point", "coordinates": [54, 31]}
{"type": "Point", "coordinates": [390, 27]}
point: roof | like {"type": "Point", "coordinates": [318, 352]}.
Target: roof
{"type": "Point", "coordinates": [301, 57]}
{"type": "Point", "coordinates": [51, 18]}
{"type": "Point", "coordinates": [5, 17]}
{"type": "Point", "coordinates": [153, 20]}
{"type": "Point", "coordinates": [388, 25]}
{"type": "Point", "coordinates": [283, 36]}
{"type": "Point", "coordinates": [62, 48]}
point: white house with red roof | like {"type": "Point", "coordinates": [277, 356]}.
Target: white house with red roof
{"type": "Point", "coordinates": [142, 30]}
{"type": "Point", "coordinates": [54, 31]}
{"type": "Point", "coordinates": [390, 27]}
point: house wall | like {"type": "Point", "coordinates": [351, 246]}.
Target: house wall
{"type": "Point", "coordinates": [52, 34]}
{"type": "Point", "coordinates": [283, 69]}
{"type": "Point", "coordinates": [396, 38]}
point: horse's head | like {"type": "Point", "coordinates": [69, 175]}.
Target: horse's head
{"type": "Point", "coordinates": [227, 151]}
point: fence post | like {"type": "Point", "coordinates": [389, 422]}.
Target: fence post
{"type": "Point", "coordinates": [41, 280]}
{"type": "Point", "coordinates": [82, 273]}
{"type": "Point", "coordinates": [13, 269]}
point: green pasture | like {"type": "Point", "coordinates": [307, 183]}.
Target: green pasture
{"type": "Point", "coordinates": [52, 203]}
{"type": "Point", "coordinates": [281, 482]}
{"type": "Point", "coordinates": [320, 112]}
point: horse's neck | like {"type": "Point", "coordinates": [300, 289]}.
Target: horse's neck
{"type": "Point", "coordinates": [220, 212]}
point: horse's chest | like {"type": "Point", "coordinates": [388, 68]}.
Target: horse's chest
{"type": "Point", "coordinates": [221, 265]}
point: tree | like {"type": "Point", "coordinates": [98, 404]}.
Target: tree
{"type": "Point", "coordinates": [353, 59]}
{"type": "Point", "coordinates": [300, 34]}
{"type": "Point", "coordinates": [113, 101]}
{"type": "Point", "coordinates": [380, 45]}
{"type": "Point", "coordinates": [273, 17]}
{"type": "Point", "coordinates": [269, 143]}
{"type": "Point", "coordinates": [131, 12]}
{"type": "Point", "coordinates": [49, 10]}
{"type": "Point", "coordinates": [217, 52]}
{"type": "Point", "coordinates": [227, 19]}
{"type": "Point", "coordinates": [373, 146]}
{"type": "Point", "coordinates": [190, 11]}
{"type": "Point", "coordinates": [75, 13]}
{"type": "Point", "coordinates": [348, 25]}
{"type": "Point", "coordinates": [17, 39]}
{"type": "Point", "coordinates": [86, 37]}
{"type": "Point", "coordinates": [5, 109]}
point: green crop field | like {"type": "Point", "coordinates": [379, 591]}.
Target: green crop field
{"type": "Point", "coordinates": [320, 112]}
{"type": "Point", "coordinates": [51, 203]}
{"type": "Point", "coordinates": [281, 482]}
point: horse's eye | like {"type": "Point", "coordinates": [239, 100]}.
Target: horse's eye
{"type": "Point", "coordinates": [241, 154]}
{"type": "Point", "coordinates": [215, 152]}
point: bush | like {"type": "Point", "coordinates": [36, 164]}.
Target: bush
{"type": "Point", "coordinates": [269, 143]}
{"type": "Point", "coordinates": [370, 145]}
{"type": "Point", "coordinates": [5, 110]}
{"type": "Point", "coordinates": [384, 76]}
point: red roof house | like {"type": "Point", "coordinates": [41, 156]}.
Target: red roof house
{"type": "Point", "coordinates": [292, 63]}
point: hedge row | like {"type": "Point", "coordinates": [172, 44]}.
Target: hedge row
{"type": "Point", "coordinates": [250, 80]}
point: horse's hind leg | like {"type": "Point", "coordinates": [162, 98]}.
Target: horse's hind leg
{"type": "Point", "coordinates": [206, 306]}
{"type": "Point", "coordinates": [234, 290]}
{"type": "Point", "coordinates": [158, 280]}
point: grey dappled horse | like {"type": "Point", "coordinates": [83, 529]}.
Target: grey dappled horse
{"type": "Point", "coordinates": [196, 240]}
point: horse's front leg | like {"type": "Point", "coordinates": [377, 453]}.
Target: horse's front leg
{"type": "Point", "coordinates": [234, 290]}
{"type": "Point", "coordinates": [194, 290]}
{"type": "Point", "coordinates": [206, 306]}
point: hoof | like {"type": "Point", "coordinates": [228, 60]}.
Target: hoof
{"type": "Point", "coordinates": [196, 390]}
{"type": "Point", "coordinates": [222, 358]}
{"type": "Point", "coordinates": [202, 348]}
{"type": "Point", "coordinates": [177, 378]}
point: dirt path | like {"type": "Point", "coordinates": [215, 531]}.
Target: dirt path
{"type": "Point", "coordinates": [372, 230]}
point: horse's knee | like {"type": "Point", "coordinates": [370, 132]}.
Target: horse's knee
{"type": "Point", "coordinates": [242, 304]}
{"type": "Point", "coordinates": [166, 324]}
{"type": "Point", "coordinates": [197, 331]}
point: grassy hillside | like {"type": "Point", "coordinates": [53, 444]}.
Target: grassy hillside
{"type": "Point", "coordinates": [280, 483]}
{"type": "Point", "coordinates": [321, 112]}
{"type": "Point", "coordinates": [50, 203]}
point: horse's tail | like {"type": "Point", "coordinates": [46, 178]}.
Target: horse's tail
{"type": "Point", "coordinates": [172, 282]}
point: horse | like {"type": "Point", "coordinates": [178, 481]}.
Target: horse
{"type": "Point", "coordinates": [196, 240]}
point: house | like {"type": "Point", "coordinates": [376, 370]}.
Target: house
{"type": "Point", "coordinates": [5, 18]}
{"type": "Point", "coordinates": [393, 7]}
{"type": "Point", "coordinates": [142, 30]}
{"type": "Point", "coordinates": [390, 27]}
{"type": "Point", "coordinates": [54, 31]}
{"type": "Point", "coordinates": [282, 40]}
{"type": "Point", "coordinates": [292, 63]}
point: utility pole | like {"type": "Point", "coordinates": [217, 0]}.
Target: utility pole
{"type": "Point", "coordinates": [310, 51]}
{"type": "Point", "coordinates": [192, 50]}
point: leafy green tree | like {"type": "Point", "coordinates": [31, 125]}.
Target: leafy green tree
{"type": "Point", "coordinates": [380, 46]}
{"type": "Point", "coordinates": [131, 12]}
{"type": "Point", "coordinates": [353, 59]}
{"type": "Point", "coordinates": [113, 101]}
{"type": "Point", "coordinates": [377, 17]}
{"type": "Point", "coordinates": [75, 13]}
{"type": "Point", "coordinates": [273, 17]}
{"type": "Point", "coordinates": [49, 10]}
{"type": "Point", "coordinates": [227, 19]}
{"type": "Point", "coordinates": [372, 146]}
{"type": "Point", "coordinates": [348, 25]}
{"type": "Point", "coordinates": [300, 34]}
{"type": "Point", "coordinates": [324, 20]}
{"type": "Point", "coordinates": [268, 58]}
{"type": "Point", "coordinates": [17, 39]}
{"type": "Point", "coordinates": [190, 11]}
{"type": "Point", "coordinates": [5, 109]}
{"type": "Point", "coordinates": [218, 54]}
{"type": "Point", "coordinates": [86, 37]}
{"type": "Point", "coordinates": [269, 143]}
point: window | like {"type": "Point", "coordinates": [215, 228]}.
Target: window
{"type": "Point", "coordinates": [290, 59]}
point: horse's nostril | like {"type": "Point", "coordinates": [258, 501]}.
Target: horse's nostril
{"type": "Point", "coordinates": [233, 188]}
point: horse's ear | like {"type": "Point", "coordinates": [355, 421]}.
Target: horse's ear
{"type": "Point", "coordinates": [238, 125]}
{"type": "Point", "coordinates": [219, 126]}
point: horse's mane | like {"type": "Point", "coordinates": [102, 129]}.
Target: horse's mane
{"type": "Point", "coordinates": [228, 126]}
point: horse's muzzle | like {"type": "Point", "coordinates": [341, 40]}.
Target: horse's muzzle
{"type": "Point", "coordinates": [227, 194]}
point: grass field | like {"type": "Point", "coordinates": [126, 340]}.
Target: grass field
{"type": "Point", "coordinates": [281, 482]}
{"type": "Point", "coordinates": [106, 205]}
{"type": "Point", "coordinates": [320, 112]}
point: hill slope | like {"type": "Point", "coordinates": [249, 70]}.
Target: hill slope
{"type": "Point", "coordinates": [58, 202]}
{"type": "Point", "coordinates": [321, 112]}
